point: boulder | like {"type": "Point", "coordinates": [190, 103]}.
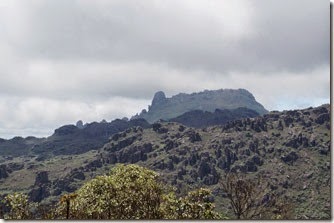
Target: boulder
{"type": "Point", "coordinates": [250, 166]}
{"type": "Point", "coordinates": [290, 157]}
{"type": "Point", "coordinates": [158, 128]}
{"type": "Point", "coordinates": [15, 166]}
{"type": "Point", "coordinates": [320, 110]}
{"type": "Point", "coordinates": [41, 178]}
{"type": "Point", "coordinates": [204, 169]}
{"type": "Point", "coordinates": [93, 165]}
{"type": "Point", "coordinates": [321, 119]}
{"type": "Point", "coordinates": [3, 171]}
{"type": "Point", "coordinates": [297, 141]}
{"type": "Point", "coordinates": [257, 160]}
{"type": "Point", "coordinates": [39, 193]}
{"type": "Point", "coordinates": [78, 175]}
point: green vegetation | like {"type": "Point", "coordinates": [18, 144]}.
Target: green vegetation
{"type": "Point", "coordinates": [20, 206]}
{"type": "Point", "coordinates": [128, 192]}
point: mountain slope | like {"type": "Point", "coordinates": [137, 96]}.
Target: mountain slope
{"type": "Point", "coordinates": [168, 108]}
{"type": "Point", "coordinates": [290, 150]}
{"type": "Point", "coordinates": [200, 119]}
{"type": "Point", "coordinates": [68, 139]}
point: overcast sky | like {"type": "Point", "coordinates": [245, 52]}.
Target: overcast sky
{"type": "Point", "coordinates": [65, 60]}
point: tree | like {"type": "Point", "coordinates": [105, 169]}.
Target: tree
{"type": "Point", "coordinates": [19, 206]}
{"type": "Point", "coordinates": [133, 192]}
{"type": "Point", "coordinates": [246, 196]}
{"type": "Point", "coordinates": [196, 205]}
{"type": "Point", "coordinates": [128, 192]}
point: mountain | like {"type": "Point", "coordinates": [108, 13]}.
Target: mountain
{"type": "Point", "coordinates": [168, 108]}
{"type": "Point", "coordinates": [79, 138]}
{"type": "Point", "coordinates": [289, 150]}
{"type": "Point", "coordinates": [200, 119]}
{"type": "Point", "coordinates": [68, 139]}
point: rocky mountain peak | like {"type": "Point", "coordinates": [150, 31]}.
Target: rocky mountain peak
{"type": "Point", "coordinates": [79, 124]}
{"type": "Point", "coordinates": [158, 98]}
{"type": "Point", "coordinates": [208, 100]}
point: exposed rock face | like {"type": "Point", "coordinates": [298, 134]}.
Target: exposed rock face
{"type": "Point", "coordinates": [14, 167]}
{"type": "Point", "coordinates": [290, 158]}
{"type": "Point", "coordinates": [41, 187]}
{"type": "Point", "coordinates": [285, 149]}
{"type": "Point", "coordinates": [321, 119]}
{"type": "Point", "coordinates": [66, 130]}
{"type": "Point", "coordinates": [62, 185]}
{"type": "Point", "coordinates": [42, 178]}
{"type": "Point", "coordinates": [3, 171]}
{"type": "Point", "coordinates": [39, 193]}
{"type": "Point", "coordinates": [70, 139]}
{"type": "Point", "coordinates": [158, 98]}
{"type": "Point", "coordinates": [78, 175]}
{"type": "Point", "coordinates": [79, 124]}
{"type": "Point", "coordinates": [168, 108]}
{"type": "Point", "coordinates": [157, 127]}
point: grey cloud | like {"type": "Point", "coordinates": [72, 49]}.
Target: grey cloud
{"type": "Point", "coordinates": [63, 60]}
{"type": "Point", "coordinates": [293, 36]}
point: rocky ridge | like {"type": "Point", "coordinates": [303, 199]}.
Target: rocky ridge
{"type": "Point", "coordinates": [290, 150]}
{"type": "Point", "coordinates": [168, 108]}
{"type": "Point", "coordinates": [67, 140]}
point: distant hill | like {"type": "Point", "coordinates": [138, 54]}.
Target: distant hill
{"type": "Point", "coordinates": [200, 119]}
{"type": "Point", "coordinates": [68, 139]}
{"type": "Point", "coordinates": [168, 108]}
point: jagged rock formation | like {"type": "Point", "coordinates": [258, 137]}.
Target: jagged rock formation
{"type": "Point", "coordinates": [168, 108]}
{"type": "Point", "coordinates": [159, 98]}
{"type": "Point", "coordinates": [3, 171]}
{"type": "Point", "coordinates": [79, 124]}
{"type": "Point", "coordinates": [41, 188]}
{"type": "Point", "coordinates": [68, 139]}
{"type": "Point", "coordinates": [18, 146]}
{"type": "Point", "coordinates": [41, 178]}
{"type": "Point", "coordinates": [281, 147]}
{"type": "Point", "coordinates": [290, 150]}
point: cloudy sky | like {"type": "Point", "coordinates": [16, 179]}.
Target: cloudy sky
{"type": "Point", "coordinates": [65, 60]}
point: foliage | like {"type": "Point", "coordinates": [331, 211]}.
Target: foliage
{"type": "Point", "coordinates": [129, 192]}
{"type": "Point", "coordinates": [133, 192]}
{"type": "Point", "coordinates": [196, 205]}
{"type": "Point", "coordinates": [245, 195]}
{"type": "Point", "coordinates": [283, 209]}
{"type": "Point", "coordinates": [19, 206]}
{"type": "Point", "coordinates": [251, 199]}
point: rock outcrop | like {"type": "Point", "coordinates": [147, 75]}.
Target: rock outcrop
{"type": "Point", "coordinates": [3, 171]}
{"type": "Point", "coordinates": [42, 178]}
{"type": "Point", "coordinates": [168, 108]}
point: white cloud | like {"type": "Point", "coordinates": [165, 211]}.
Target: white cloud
{"type": "Point", "coordinates": [42, 115]}
{"type": "Point", "coordinates": [65, 60]}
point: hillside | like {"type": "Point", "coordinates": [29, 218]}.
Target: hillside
{"type": "Point", "coordinates": [290, 150]}
{"type": "Point", "coordinates": [200, 119]}
{"type": "Point", "coordinates": [168, 108]}
{"type": "Point", "coordinates": [67, 140]}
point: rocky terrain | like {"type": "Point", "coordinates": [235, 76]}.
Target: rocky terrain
{"type": "Point", "coordinates": [201, 119]}
{"type": "Point", "coordinates": [66, 140]}
{"type": "Point", "coordinates": [290, 150]}
{"type": "Point", "coordinates": [168, 108]}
